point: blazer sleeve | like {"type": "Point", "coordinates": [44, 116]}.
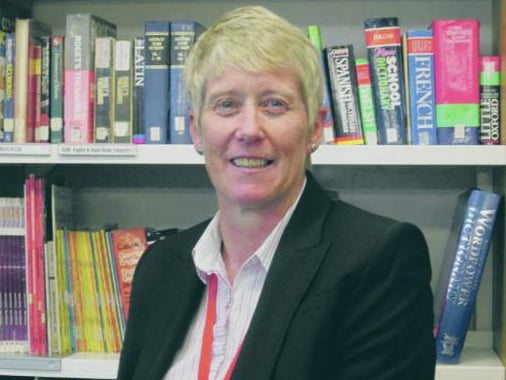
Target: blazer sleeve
{"type": "Point", "coordinates": [392, 316]}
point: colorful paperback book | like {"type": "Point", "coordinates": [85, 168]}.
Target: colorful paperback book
{"type": "Point", "coordinates": [421, 87]}
{"type": "Point", "coordinates": [123, 92]}
{"type": "Point", "coordinates": [340, 61]}
{"type": "Point", "coordinates": [183, 35]}
{"type": "Point", "coordinates": [156, 81]}
{"type": "Point", "coordinates": [461, 271]}
{"type": "Point", "coordinates": [81, 31]}
{"type": "Point", "coordinates": [457, 65]}
{"type": "Point", "coordinates": [490, 100]}
{"type": "Point", "coordinates": [314, 34]}
{"type": "Point", "coordinates": [384, 52]}
{"type": "Point", "coordinates": [104, 88]}
{"type": "Point", "coordinates": [366, 102]}
{"type": "Point", "coordinates": [56, 85]}
{"type": "Point", "coordinates": [8, 129]}
{"type": "Point", "coordinates": [139, 44]}
{"type": "Point", "coordinates": [2, 83]}
{"type": "Point", "coordinates": [42, 127]}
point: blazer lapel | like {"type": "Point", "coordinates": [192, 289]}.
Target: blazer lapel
{"type": "Point", "coordinates": [295, 263]}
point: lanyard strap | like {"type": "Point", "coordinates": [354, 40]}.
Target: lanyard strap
{"type": "Point", "coordinates": [207, 338]}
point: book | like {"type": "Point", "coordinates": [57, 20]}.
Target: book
{"type": "Point", "coordinates": [28, 34]}
{"type": "Point", "coordinates": [383, 44]}
{"type": "Point", "coordinates": [56, 88]}
{"type": "Point", "coordinates": [79, 78]}
{"type": "Point", "coordinates": [366, 102]}
{"type": "Point", "coordinates": [343, 88]}
{"type": "Point", "coordinates": [138, 92]}
{"type": "Point", "coordinates": [34, 98]}
{"type": "Point", "coordinates": [490, 100]}
{"type": "Point", "coordinates": [104, 89]}
{"type": "Point", "coordinates": [421, 87]}
{"type": "Point", "coordinates": [183, 35]}
{"type": "Point", "coordinates": [128, 246]}
{"type": "Point", "coordinates": [456, 62]}
{"type": "Point", "coordinates": [123, 92]}
{"type": "Point", "coordinates": [44, 98]}
{"type": "Point", "coordinates": [8, 126]}
{"type": "Point", "coordinates": [156, 81]}
{"type": "Point", "coordinates": [461, 271]}
{"type": "Point", "coordinates": [2, 83]}
{"type": "Point", "coordinates": [314, 35]}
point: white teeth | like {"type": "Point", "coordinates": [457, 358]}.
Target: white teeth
{"type": "Point", "coordinates": [250, 162]}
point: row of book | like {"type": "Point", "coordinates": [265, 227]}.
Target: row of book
{"type": "Point", "coordinates": [62, 289]}
{"type": "Point", "coordinates": [88, 85]}
{"type": "Point", "coordinates": [421, 87]}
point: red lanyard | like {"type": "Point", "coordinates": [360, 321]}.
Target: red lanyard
{"type": "Point", "coordinates": [207, 338]}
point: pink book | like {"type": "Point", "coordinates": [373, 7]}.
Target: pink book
{"type": "Point", "coordinates": [457, 64]}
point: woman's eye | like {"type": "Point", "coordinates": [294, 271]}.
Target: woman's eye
{"type": "Point", "coordinates": [275, 106]}
{"type": "Point", "coordinates": [225, 107]}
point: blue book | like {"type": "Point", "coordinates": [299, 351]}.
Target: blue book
{"type": "Point", "coordinates": [156, 81]}
{"type": "Point", "coordinates": [183, 34]}
{"type": "Point", "coordinates": [421, 87]}
{"type": "Point", "coordinates": [461, 271]}
{"type": "Point", "coordinates": [10, 54]}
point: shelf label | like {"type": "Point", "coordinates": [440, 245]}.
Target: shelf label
{"type": "Point", "coordinates": [25, 149]}
{"type": "Point", "coordinates": [122, 150]}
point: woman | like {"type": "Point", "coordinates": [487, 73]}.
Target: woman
{"type": "Point", "coordinates": [282, 283]}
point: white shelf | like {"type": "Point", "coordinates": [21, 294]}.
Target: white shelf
{"type": "Point", "coordinates": [345, 155]}
{"type": "Point", "coordinates": [476, 363]}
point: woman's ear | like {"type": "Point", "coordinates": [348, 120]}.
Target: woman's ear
{"type": "Point", "coordinates": [318, 126]}
{"type": "Point", "coordinates": [196, 135]}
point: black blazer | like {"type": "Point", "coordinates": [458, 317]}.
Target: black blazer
{"type": "Point", "coordinates": [347, 297]}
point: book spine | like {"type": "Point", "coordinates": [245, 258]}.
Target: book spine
{"type": "Point", "coordinates": [383, 43]}
{"type": "Point", "coordinates": [465, 275]}
{"type": "Point", "coordinates": [2, 83]}
{"type": "Point", "coordinates": [366, 102]}
{"type": "Point", "coordinates": [104, 88]}
{"type": "Point", "coordinates": [490, 100]}
{"type": "Point", "coordinates": [33, 101]}
{"type": "Point", "coordinates": [344, 95]}
{"type": "Point", "coordinates": [81, 31]}
{"type": "Point", "coordinates": [21, 79]}
{"type": "Point", "coordinates": [314, 34]}
{"type": "Point", "coordinates": [10, 42]}
{"type": "Point", "coordinates": [456, 43]}
{"type": "Point", "coordinates": [183, 34]}
{"type": "Point", "coordinates": [123, 105]}
{"type": "Point", "coordinates": [421, 87]}
{"type": "Point", "coordinates": [42, 130]}
{"type": "Point", "coordinates": [56, 89]}
{"type": "Point", "coordinates": [156, 81]}
{"type": "Point", "coordinates": [138, 136]}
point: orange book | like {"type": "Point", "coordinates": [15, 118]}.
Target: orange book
{"type": "Point", "coordinates": [128, 246]}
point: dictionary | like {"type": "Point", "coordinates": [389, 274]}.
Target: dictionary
{"type": "Point", "coordinates": [461, 270]}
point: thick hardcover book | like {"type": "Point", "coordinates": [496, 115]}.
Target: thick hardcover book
{"type": "Point", "coordinates": [81, 31]}
{"type": "Point", "coordinates": [28, 33]}
{"type": "Point", "coordinates": [183, 34]}
{"type": "Point", "coordinates": [340, 61]}
{"type": "Point", "coordinates": [138, 137]}
{"type": "Point", "coordinates": [123, 92]}
{"type": "Point", "coordinates": [10, 43]}
{"type": "Point", "coordinates": [42, 129]}
{"type": "Point", "coordinates": [128, 246]}
{"type": "Point", "coordinates": [56, 89]}
{"type": "Point", "coordinates": [104, 88]}
{"type": "Point", "coordinates": [366, 102]}
{"type": "Point", "coordinates": [314, 34]}
{"type": "Point", "coordinates": [421, 87]}
{"type": "Point", "coordinates": [156, 81]}
{"type": "Point", "coordinates": [456, 61]}
{"type": "Point", "coordinates": [490, 100]}
{"type": "Point", "coordinates": [383, 43]}
{"type": "Point", "coordinates": [461, 271]}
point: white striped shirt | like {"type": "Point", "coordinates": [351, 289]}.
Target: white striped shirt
{"type": "Point", "coordinates": [235, 304]}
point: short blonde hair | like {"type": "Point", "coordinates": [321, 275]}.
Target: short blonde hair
{"type": "Point", "coordinates": [253, 39]}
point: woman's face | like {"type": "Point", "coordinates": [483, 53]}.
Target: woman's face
{"type": "Point", "coordinates": [255, 137]}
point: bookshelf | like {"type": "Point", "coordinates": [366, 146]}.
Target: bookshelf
{"type": "Point", "coordinates": [416, 183]}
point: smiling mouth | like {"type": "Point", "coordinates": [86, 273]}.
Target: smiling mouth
{"type": "Point", "coordinates": [251, 162]}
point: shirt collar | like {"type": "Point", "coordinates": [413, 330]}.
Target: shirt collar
{"type": "Point", "coordinates": [207, 251]}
